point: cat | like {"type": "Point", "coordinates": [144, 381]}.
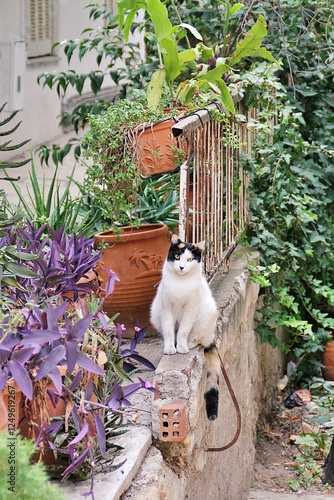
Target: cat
{"type": "Point", "coordinates": [185, 313]}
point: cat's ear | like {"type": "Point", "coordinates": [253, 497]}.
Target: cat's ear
{"type": "Point", "coordinates": [200, 245]}
{"type": "Point", "coordinates": [177, 242]}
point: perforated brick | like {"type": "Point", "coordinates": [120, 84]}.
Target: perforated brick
{"type": "Point", "coordinates": [173, 421]}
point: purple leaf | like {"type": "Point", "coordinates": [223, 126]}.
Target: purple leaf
{"type": "Point", "coordinates": [53, 397]}
{"type": "Point", "coordinates": [39, 337]}
{"type": "Point", "coordinates": [88, 391]}
{"type": "Point", "coordinates": [52, 319]}
{"type": "Point", "coordinates": [76, 381]}
{"type": "Point", "coordinates": [131, 389]}
{"type": "Point", "coordinates": [55, 356]}
{"type": "Point", "coordinates": [4, 354]}
{"type": "Point", "coordinates": [76, 419]}
{"type": "Point", "coordinates": [54, 427]}
{"type": "Point", "coordinates": [115, 400]}
{"type": "Point", "coordinates": [110, 284]}
{"type": "Point", "coordinates": [22, 355]}
{"type": "Point", "coordinates": [119, 330]}
{"type": "Point", "coordinates": [142, 360]}
{"type": "Point", "coordinates": [103, 320]}
{"type": "Point", "coordinates": [21, 377]}
{"type": "Point", "coordinates": [138, 337]}
{"type": "Point", "coordinates": [60, 310]}
{"type": "Point", "coordinates": [3, 378]}
{"type": "Point", "coordinates": [128, 367]}
{"type": "Point", "coordinates": [101, 434]}
{"type": "Point", "coordinates": [80, 327]}
{"type": "Point", "coordinates": [88, 364]}
{"type": "Point", "coordinates": [71, 355]}
{"type": "Point", "coordinates": [81, 435]}
{"type": "Point", "coordinates": [76, 462]}
{"type": "Point", "coordinates": [56, 379]}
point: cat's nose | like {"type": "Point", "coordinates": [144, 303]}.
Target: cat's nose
{"type": "Point", "coordinates": [181, 268]}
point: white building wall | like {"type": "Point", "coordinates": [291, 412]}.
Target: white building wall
{"type": "Point", "coordinates": [39, 107]}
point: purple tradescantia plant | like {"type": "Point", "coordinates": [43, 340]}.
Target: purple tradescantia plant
{"type": "Point", "coordinates": [46, 340]}
{"type": "Point", "coordinates": [58, 263]}
{"type": "Point", "coordinates": [38, 333]}
{"type": "Point", "coordinates": [120, 395]}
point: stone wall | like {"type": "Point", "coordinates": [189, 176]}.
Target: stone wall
{"type": "Point", "coordinates": [180, 470]}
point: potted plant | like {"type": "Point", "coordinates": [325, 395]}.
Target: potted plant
{"type": "Point", "coordinates": [133, 249]}
{"type": "Point", "coordinates": [49, 351]}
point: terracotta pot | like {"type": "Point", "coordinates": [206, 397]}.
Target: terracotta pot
{"type": "Point", "coordinates": [30, 428]}
{"type": "Point", "coordinates": [157, 150]}
{"type": "Point", "coordinates": [34, 408]}
{"type": "Point", "coordinates": [328, 361]}
{"type": "Point", "coordinates": [136, 256]}
{"type": "Point", "coordinates": [10, 400]}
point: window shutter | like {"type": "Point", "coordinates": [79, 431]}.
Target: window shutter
{"type": "Point", "coordinates": [40, 32]}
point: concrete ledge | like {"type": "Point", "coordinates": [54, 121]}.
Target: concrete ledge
{"type": "Point", "coordinates": [253, 370]}
{"type": "Point", "coordinates": [136, 443]}
{"type": "Point", "coordinates": [180, 470]}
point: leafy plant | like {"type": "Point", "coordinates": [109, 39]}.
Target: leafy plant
{"type": "Point", "coordinates": [7, 146]}
{"type": "Point", "coordinates": [48, 205]}
{"type": "Point", "coordinates": [291, 198]}
{"type": "Point", "coordinates": [194, 74]}
{"type": "Point", "coordinates": [21, 478]}
{"type": "Point", "coordinates": [34, 342]}
{"type": "Point", "coordinates": [8, 217]}
{"type": "Point", "coordinates": [113, 181]}
{"type": "Point", "coordinates": [208, 71]}
{"type": "Point", "coordinates": [54, 265]}
{"type": "Point", "coordinates": [291, 230]}
{"type": "Point", "coordinates": [158, 199]}
{"type": "Point", "coordinates": [38, 345]}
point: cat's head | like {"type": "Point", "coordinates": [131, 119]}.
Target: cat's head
{"type": "Point", "coordinates": [184, 257]}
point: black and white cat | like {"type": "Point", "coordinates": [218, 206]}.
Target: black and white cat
{"type": "Point", "coordinates": [185, 313]}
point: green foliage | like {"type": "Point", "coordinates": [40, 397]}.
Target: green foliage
{"type": "Point", "coordinates": [30, 481]}
{"type": "Point", "coordinates": [8, 217]}
{"type": "Point", "coordinates": [207, 71]}
{"type": "Point", "coordinates": [7, 145]}
{"type": "Point", "coordinates": [113, 180]}
{"type": "Point", "coordinates": [314, 446]}
{"type": "Point", "coordinates": [291, 179]}
{"type": "Point", "coordinates": [158, 200]}
{"type": "Point", "coordinates": [49, 204]}
{"type": "Point", "coordinates": [104, 43]}
{"type": "Point", "coordinates": [308, 470]}
{"type": "Point", "coordinates": [292, 227]}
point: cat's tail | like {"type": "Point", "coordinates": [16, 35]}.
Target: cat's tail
{"type": "Point", "coordinates": [212, 381]}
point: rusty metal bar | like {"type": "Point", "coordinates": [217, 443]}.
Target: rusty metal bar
{"type": "Point", "coordinates": [213, 186]}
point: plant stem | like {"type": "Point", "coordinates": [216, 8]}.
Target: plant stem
{"type": "Point", "coordinates": [180, 21]}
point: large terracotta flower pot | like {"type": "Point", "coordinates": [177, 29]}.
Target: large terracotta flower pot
{"type": "Point", "coordinates": [136, 256]}
{"type": "Point", "coordinates": [157, 150]}
{"type": "Point", "coordinates": [328, 361]}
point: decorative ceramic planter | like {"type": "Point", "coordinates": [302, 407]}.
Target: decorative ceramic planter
{"type": "Point", "coordinates": [328, 361]}
{"type": "Point", "coordinates": [136, 256]}
{"type": "Point", "coordinates": [157, 150]}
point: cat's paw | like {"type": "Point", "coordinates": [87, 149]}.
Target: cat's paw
{"type": "Point", "coordinates": [169, 349]}
{"type": "Point", "coordinates": [182, 349]}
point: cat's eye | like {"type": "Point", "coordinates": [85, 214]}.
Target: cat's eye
{"type": "Point", "coordinates": [177, 257]}
{"type": "Point", "coordinates": [190, 259]}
